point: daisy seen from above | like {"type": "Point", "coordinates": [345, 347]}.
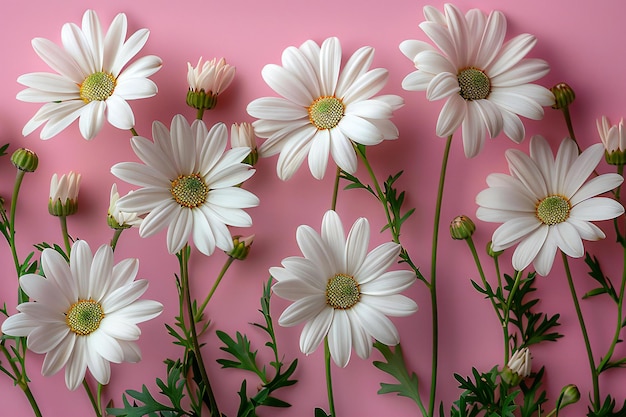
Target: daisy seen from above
{"type": "Point", "coordinates": [324, 109]}
{"type": "Point", "coordinates": [341, 291]}
{"type": "Point", "coordinates": [189, 184]}
{"type": "Point", "coordinates": [83, 315]}
{"type": "Point", "coordinates": [487, 83]}
{"type": "Point", "coordinates": [92, 81]}
{"type": "Point", "coordinates": [547, 203]}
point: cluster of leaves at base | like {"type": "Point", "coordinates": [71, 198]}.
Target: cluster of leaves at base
{"type": "Point", "coordinates": [144, 403]}
{"type": "Point", "coordinates": [245, 359]}
{"type": "Point", "coordinates": [486, 394]}
{"type": "Point", "coordinates": [608, 409]}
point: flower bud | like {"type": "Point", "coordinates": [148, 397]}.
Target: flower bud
{"type": "Point", "coordinates": [242, 136]}
{"type": "Point", "coordinates": [563, 96]}
{"type": "Point", "coordinates": [117, 219]}
{"type": "Point", "coordinates": [207, 81]}
{"type": "Point", "coordinates": [64, 194]}
{"type": "Point", "coordinates": [569, 395]}
{"type": "Point", "coordinates": [241, 247]}
{"type": "Point", "coordinates": [518, 367]}
{"type": "Point", "coordinates": [614, 140]}
{"type": "Point", "coordinates": [462, 228]}
{"type": "Point", "coordinates": [25, 160]}
{"type": "Point", "coordinates": [491, 252]}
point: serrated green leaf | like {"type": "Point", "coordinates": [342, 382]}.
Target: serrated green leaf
{"type": "Point", "coordinates": [408, 384]}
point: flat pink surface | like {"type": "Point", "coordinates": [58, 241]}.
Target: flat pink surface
{"type": "Point", "coordinates": [582, 43]}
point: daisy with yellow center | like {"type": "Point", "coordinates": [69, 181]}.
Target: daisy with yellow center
{"type": "Point", "coordinates": [341, 291]}
{"type": "Point", "coordinates": [487, 83]}
{"type": "Point", "coordinates": [83, 315]}
{"type": "Point", "coordinates": [93, 81]}
{"type": "Point", "coordinates": [189, 184]}
{"type": "Point", "coordinates": [547, 203]}
{"type": "Point", "coordinates": [324, 109]}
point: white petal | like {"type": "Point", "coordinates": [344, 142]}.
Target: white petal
{"type": "Point", "coordinates": [315, 330]}
{"type": "Point", "coordinates": [304, 309]}
{"type": "Point", "coordinates": [392, 282]}
{"type": "Point", "coordinates": [318, 154]}
{"type": "Point", "coordinates": [528, 248]}
{"type": "Point", "coordinates": [391, 305]}
{"type": "Point", "coordinates": [377, 324]}
{"type": "Point", "coordinates": [340, 338]}
{"type": "Point", "coordinates": [377, 262]}
{"type": "Point", "coordinates": [451, 116]}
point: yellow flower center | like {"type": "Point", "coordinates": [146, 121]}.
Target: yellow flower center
{"type": "Point", "coordinates": [97, 87]}
{"type": "Point", "coordinates": [553, 209]}
{"type": "Point", "coordinates": [326, 112]}
{"type": "Point", "coordinates": [190, 190]}
{"type": "Point", "coordinates": [342, 292]}
{"type": "Point", "coordinates": [84, 317]}
{"type": "Point", "coordinates": [475, 85]}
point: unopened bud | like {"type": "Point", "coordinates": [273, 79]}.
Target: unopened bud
{"type": "Point", "coordinates": [462, 228]}
{"type": "Point", "coordinates": [569, 395]}
{"type": "Point", "coordinates": [518, 367]}
{"type": "Point", "coordinates": [563, 96]}
{"type": "Point", "coordinates": [25, 160]}
{"type": "Point", "coordinates": [241, 247]}
{"type": "Point", "coordinates": [492, 253]}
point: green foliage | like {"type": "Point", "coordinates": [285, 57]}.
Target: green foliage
{"type": "Point", "coordinates": [3, 149]}
{"type": "Point", "coordinates": [533, 397]}
{"type": "Point", "coordinates": [608, 409]}
{"type": "Point", "coordinates": [395, 366]}
{"type": "Point", "coordinates": [595, 272]}
{"type": "Point", "coordinates": [173, 389]}
{"type": "Point", "coordinates": [246, 359]}
{"type": "Point", "coordinates": [533, 327]}
{"type": "Point", "coordinates": [320, 413]}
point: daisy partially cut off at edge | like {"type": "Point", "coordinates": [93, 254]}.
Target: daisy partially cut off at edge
{"type": "Point", "coordinates": [547, 203]}
{"type": "Point", "coordinates": [189, 184]}
{"type": "Point", "coordinates": [83, 315]}
{"type": "Point", "coordinates": [323, 108]}
{"type": "Point", "coordinates": [487, 84]}
{"type": "Point", "coordinates": [341, 291]}
{"type": "Point", "coordinates": [93, 81]}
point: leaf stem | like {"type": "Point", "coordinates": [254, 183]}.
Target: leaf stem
{"type": "Point", "coordinates": [200, 311]}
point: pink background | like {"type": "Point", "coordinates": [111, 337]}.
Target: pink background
{"type": "Point", "coordinates": [584, 46]}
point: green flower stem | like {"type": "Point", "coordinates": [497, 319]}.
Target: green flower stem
{"type": "Point", "coordinates": [92, 399]}
{"type": "Point", "coordinates": [570, 126]}
{"type": "Point", "coordinates": [20, 379]}
{"type": "Point", "coordinates": [115, 238]}
{"type": "Point", "coordinates": [329, 381]}
{"type": "Point", "coordinates": [617, 193]}
{"type": "Point", "coordinates": [200, 114]}
{"type": "Point", "coordinates": [620, 318]}
{"type": "Point", "coordinates": [200, 311]}
{"type": "Point", "coordinates": [507, 310]}
{"type": "Point", "coordinates": [333, 203]}
{"type": "Point", "coordinates": [66, 237]}
{"type": "Point", "coordinates": [184, 276]}
{"type": "Point", "coordinates": [583, 328]}
{"type": "Point", "coordinates": [16, 190]}
{"type": "Point", "coordinates": [433, 278]}
{"type": "Point", "coordinates": [481, 272]}
{"type": "Point", "coordinates": [133, 131]}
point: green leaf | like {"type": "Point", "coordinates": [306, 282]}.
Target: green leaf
{"type": "Point", "coordinates": [240, 350]}
{"type": "Point", "coordinates": [595, 272]}
{"type": "Point", "coordinates": [321, 413]}
{"type": "Point", "coordinates": [396, 367]}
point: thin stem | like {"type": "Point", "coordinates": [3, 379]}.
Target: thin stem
{"type": "Point", "coordinates": [620, 318]}
{"type": "Point", "coordinates": [21, 380]}
{"type": "Point", "coordinates": [570, 126]}
{"type": "Point", "coordinates": [329, 381]}
{"type": "Point", "coordinates": [115, 238]}
{"type": "Point", "coordinates": [92, 398]}
{"type": "Point", "coordinates": [481, 272]}
{"type": "Point", "coordinates": [200, 311]}
{"type": "Point", "coordinates": [333, 203]}
{"type": "Point", "coordinates": [433, 278]}
{"type": "Point", "coordinates": [16, 190]}
{"type": "Point", "coordinates": [583, 328]}
{"type": "Point", "coordinates": [200, 114]}
{"type": "Point", "coordinates": [184, 264]}
{"type": "Point", "coordinates": [507, 316]}
{"type": "Point", "coordinates": [133, 131]}
{"type": "Point", "coordinates": [66, 237]}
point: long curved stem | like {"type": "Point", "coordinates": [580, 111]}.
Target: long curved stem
{"type": "Point", "coordinates": [92, 399]}
{"type": "Point", "coordinates": [66, 236]}
{"type": "Point", "coordinates": [583, 328]}
{"type": "Point", "coordinates": [184, 265]}
{"type": "Point", "coordinates": [507, 316]}
{"type": "Point", "coordinates": [200, 311]}
{"type": "Point", "coordinates": [433, 278]}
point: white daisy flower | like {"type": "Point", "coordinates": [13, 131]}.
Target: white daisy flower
{"type": "Point", "coordinates": [91, 82]}
{"type": "Point", "coordinates": [83, 315]}
{"type": "Point", "coordinates": [212, 76]}
{"type": "Point", "coordinates": [342, 291]}
{"type": "Point", "coordinates": [486, 83]}
{"type": "Point", "coordinates": [189, 185]}
{"type": "Point", "coordinates": [545, 204]}
{"type": "Point", "coordinates": [118, 219]}
{"type": "Point", "coordinates": [324, 108]}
